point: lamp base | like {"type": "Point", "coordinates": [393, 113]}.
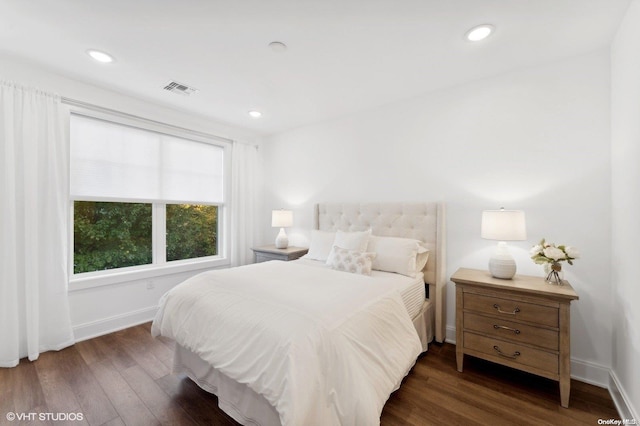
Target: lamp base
{"type": "Point", "coordinates": [501, 264]}
{"type": "Point", "coordinates": [282, 242]}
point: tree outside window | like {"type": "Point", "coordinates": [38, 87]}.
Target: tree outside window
{"type": "Point", "coordinates": [110, 235]}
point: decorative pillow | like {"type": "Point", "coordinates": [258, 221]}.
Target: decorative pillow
{"type": "Point", "coordinates": [400, 255]}
{"type": "Point", "coordinates": [320, 246]}
{"type": "Point", "coordinates": [350, 241]}
{"type": "Point", "coordinates": [354, 261]}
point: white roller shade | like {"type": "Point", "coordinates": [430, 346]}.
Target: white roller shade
{"type": "Point", "coordinates": [115, 161]}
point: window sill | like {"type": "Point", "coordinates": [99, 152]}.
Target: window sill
{"type": "Point", "coordinates": [114, 277]}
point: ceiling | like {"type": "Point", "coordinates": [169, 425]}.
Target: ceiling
{"type": "Point", "coordinates": [343, 56]}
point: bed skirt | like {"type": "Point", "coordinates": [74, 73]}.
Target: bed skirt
{"type": "Point", "coordinates": [243, 404]}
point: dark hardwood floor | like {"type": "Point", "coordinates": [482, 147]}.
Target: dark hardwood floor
{"type": "Point", "coordinates": [124, 378]}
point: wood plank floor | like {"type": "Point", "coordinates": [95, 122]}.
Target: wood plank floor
{"type": "Point", "coordinates": [124, 378]}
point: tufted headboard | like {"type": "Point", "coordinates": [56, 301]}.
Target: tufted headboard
{"type": "Point", "coordinates": [420, 221]}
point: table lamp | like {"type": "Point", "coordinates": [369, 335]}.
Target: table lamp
{"type": "Point", "coordinates": [281, 219]}
{"type": "Point", "coordinates": [503, 225]}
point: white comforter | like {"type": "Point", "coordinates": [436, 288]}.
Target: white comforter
{"type": "Point", "coordinates": [323, 347]}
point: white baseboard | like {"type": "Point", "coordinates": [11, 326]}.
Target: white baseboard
{"type": "Point", "coordinates": [104, 326]}
{"type": "Point", "coordinates": [621, 399]}
{"type": "Point", "coordinates": [590, 372]}
{"type": "Point", "coordinates": [450, 335]}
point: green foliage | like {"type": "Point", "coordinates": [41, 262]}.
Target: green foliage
{"type": "Point", "coordinates": [540, 259]}
{"type": "Point", "coordinates": [192, 231]}
{"type": "Point", "coordinates": [116, 235]}
{"type": "Point", "coordinates": [111, 235]}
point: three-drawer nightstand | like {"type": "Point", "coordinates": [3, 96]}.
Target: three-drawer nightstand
{"type": "Point", "coordinates": [270, 252]}
{"type": "Point", "coordinates": [522, 323]}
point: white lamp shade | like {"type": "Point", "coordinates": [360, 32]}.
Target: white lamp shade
{"type": "Point", "coordinates": [281, 218]}
{"type": "Point", "coordinates": [503, 225]}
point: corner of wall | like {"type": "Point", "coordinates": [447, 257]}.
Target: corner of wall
{"type": "Point", "coordinates": [621, 399]}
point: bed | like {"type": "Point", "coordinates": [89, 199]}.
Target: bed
{"type": "Point", "coordinates": [328, 349]}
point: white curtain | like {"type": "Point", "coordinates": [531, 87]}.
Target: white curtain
{"type": "Point", "coordinates": [34, 224]}
{"type": "Point", "coordinates": [244, 164]}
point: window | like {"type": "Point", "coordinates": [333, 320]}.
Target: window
{"type": "Point", "coordinates": [111, 235]}
{"type": "Point", "coordinates": [141, 198]}
{"type": "Point", "coordinates": [192, 231]}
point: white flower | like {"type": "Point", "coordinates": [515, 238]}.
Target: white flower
{"type": "Point", "coordinates": [535, 250]}
{"type": "Point", "coordinates": [554, 253]}
{"type": "Point", "coordinates": [572, 252]}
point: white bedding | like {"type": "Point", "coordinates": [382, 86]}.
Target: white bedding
{"type": "Point", "coordinates": [411, 289]}
{"type": "Point", "coordinates": [323, 347]}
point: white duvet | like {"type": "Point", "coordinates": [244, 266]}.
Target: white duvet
{"type": "Point", "coordinates": [324, 347]}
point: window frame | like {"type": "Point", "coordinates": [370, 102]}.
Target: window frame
{"type": "Point", "coordinates": [159, 266]}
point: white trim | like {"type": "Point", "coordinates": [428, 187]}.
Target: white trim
{"type": "Point", "coordinates": [96, 111]}
{"type": "Point", "coordinates": [89, 280]}
{"type": "Point", "coordinates": [590, 372]}
{"type": "Point", "coordinates": [621, 399]}
{"type": "Point", "coordinates": [159, 234]}
{"type": "Point", "coordinates": [108, 325]}
{"type": "Point", "coordinates": [450, 334]}
{"type": "Point", "coordinates": [143, 200]}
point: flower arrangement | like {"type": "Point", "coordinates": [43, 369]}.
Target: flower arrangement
{"type": "Point", "coordinates": [544, 252]}
{"type": "Point", "coordinates": [550, 255]}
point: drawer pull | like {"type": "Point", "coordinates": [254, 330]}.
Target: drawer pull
{"type": "Point", "coordinates": [503, 327]}
{"type": "Point", "coordinates": [515, 311]}
{"type": "Point", "coordinates": [514, 356]}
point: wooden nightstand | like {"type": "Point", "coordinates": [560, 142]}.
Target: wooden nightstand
{"type": "Point", "coordinates": [270, 252]}
{"type": "Point", "coordinates": [521, 323]}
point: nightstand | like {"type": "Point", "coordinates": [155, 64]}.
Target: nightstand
{"type": "Point", "coordinates": [521, 323]}
{"type": "Point", "coordinates": [270, 252]}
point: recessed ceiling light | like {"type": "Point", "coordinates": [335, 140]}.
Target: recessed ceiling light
{"type": "Point", "coordinates": [99, 56]}
{"type": "Point", "coordinates": [278, 46]}
{"type": "Point", "coordinates": [255, 114]}
{"type": "Point", "coordinates": [480, 32]}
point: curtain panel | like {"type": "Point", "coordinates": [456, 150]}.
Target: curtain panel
{"type": "Point", "coordinates": [244, 164]}
{"type": "Point", "coordinates": [34, 224]}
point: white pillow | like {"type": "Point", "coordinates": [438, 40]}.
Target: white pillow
{"type": "Point", "coordinates": [354, 261]}
{"type": "Point", "coordinates": [399, 255]}
{"type": "Point", "coordinates": [320, 246]}
{"type": "Point", "coordinates": [351, 241]}
{"type": "Point", "coordinates": [421, 259]}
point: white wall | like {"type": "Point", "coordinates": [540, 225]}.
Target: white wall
{"type": "Point", "coordinates": [99, 310]}
{"type": "Point", "coordinates": [625, 148]}
{"type": "Point", "coordinates": [536, 139]}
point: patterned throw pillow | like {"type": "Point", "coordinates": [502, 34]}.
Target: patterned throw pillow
{"type": "Point", "coordinates": [353, 261]}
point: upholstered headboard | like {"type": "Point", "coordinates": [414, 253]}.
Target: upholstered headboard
{"type": "Point", "coordinates": [420, 221]}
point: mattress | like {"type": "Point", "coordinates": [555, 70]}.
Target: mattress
{"type": "Point", "coordinates": [411, 290]}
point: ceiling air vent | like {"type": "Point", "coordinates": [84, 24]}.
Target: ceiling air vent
{"type": "Point", "coordinates": [179, 88]}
